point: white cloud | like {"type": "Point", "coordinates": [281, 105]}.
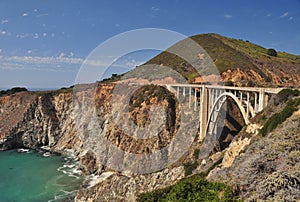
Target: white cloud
{"type": "Point", "coordinates": [61, 55]}
{"type": "Point", "coordinates": [4, 21]}
{"type": "Point", "coordinates": [287, 16]}
{"type": "Point", "coordinates": [40, 63]}
{"type": "Point", "coordinates": [25, 14]}
{"type": "Point", "coordinates": [154, 9]}
{"type": "Point", "coordinates": [154, 12]}
{"type": "Point", "coordinates": [284, 15]}
{"type": "Point", "coordinates": [36, 35]}
{"type": "Point", "coordinates": [44, 60]}
{"type": "Point", "coordinates": [22, 36]}
{"type": "Point", "coordinates": [61, 63]}
{"type": "Point", "coordinates": [4, 33]}
{"type": "Point", "coordinates": [41, 15]}
{"type": "Point", "coordinates": [228, 16]}
{"type": "Point", "coordinates": [133, 63]}
{"type": "Point", "coordinates": [44, 34]}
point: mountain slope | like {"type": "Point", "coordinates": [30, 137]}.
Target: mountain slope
{"type": "Point", "coordinates": [238, 61]}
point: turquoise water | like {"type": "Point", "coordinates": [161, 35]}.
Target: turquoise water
{"type": "Point", "coordinates": [32, 177]}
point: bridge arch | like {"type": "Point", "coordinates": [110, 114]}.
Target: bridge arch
{"type": "Point", "coordinates": [214, 112]}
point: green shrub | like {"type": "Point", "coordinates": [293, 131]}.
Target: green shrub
{"type": "Point", "coordinates": [189, 167]}
{"type": "Point", "coordinates": [280, 117]}
{"type": "Point", "coordinates": [12, 91]}
{"type": "Point", "coordinates": [251, 83]}
{"type": "Point", "coordinates": [286, 94]}
{"type": "Point", "coordinates": [196, 153]}
{"type": "Point", "coordinates": [194, 188]}
{"type": "Point", "coordinates": [228, 83]}
{"type": "Point", "coordinates": [213, 166]}
{"type": "Point", "coordinates": [272, 52]}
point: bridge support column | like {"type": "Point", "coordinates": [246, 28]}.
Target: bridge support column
{"type": "Point", "coordinates": [266, 100]}
{"type": "Point", "coordinates": [195, 101]}
{"type": "Point", "coordinates": [241, 96]}
{"type": "Point", "coordinates": [203, 111]}
{"type": "Point", "coordinates": [261, 100]}
{"type": "Point", "coordinates": [190, 97]}
{"type": "Point", "coordinates": [248, 104]}
{"type": "Point", "coordinates": [255, 103]}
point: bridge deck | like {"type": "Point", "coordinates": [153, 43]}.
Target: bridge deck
{"type": "Point", "coordinates": [249, 89]}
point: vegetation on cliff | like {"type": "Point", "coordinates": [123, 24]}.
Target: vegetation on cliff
{"type": "Point", "coordinates": [287, 111]}
{"type": "Point", "coordinates": [193, 188]}
{"type": "Point", "coordinates": [12, 91]}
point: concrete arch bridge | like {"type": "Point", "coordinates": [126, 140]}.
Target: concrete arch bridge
{"type": "Point", "coordinates": [208, 100]}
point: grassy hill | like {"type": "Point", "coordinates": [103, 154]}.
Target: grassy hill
{"type": "Point", "coordinates": [238, 61]}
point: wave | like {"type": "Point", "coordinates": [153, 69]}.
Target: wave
{"type": "Point", "coordinates": [71, 169]}
{"type": "Point", "coordinates": [95, 179]}
{"type": "Point", "coordinates": [45, 148]}
{"type": "Point", "coordinates": [63, 196]}
{"type": "Point", "coordinates": [22, 150]}
{"type": "Point", "coordinates": [46, 154]}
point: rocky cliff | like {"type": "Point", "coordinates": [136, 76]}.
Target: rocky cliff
{"type": "Point", "coordinates": [50, 120]}
{"type": "Point", "coordinates": [31, 120]}
{"type": "Point", "coordinates": [257, 167]}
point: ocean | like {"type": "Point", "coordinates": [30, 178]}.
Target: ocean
{"type": "Point", "coordinates": [30, 176]}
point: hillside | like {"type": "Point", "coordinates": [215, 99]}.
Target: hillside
{"type": "Point", "coordinates": [240, 62]}
{"type": "Point", "coordinates": [258, 165]}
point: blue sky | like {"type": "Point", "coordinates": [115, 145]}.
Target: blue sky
{"type": "Point", "coordinates": [43, 43]}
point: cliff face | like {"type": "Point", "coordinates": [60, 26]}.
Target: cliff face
{"type": "Point", "coordinates": [29, 120]}
{"type": "Point", "coordinates": [34, 120]}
